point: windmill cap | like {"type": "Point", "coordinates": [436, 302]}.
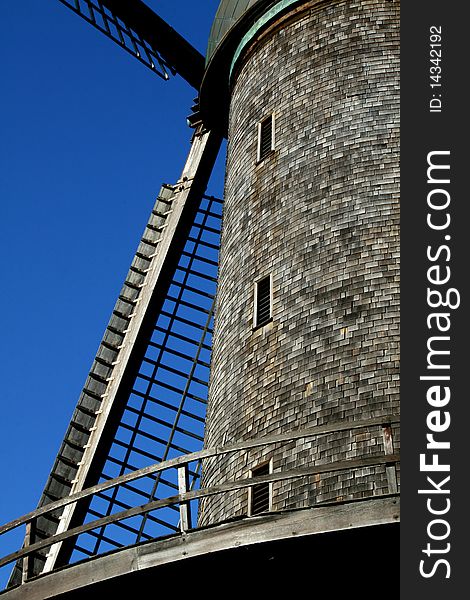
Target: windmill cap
{"type": "Point", "coordinates": [235, 24]}
{"type": "Point", "coordinates": [228, 13]}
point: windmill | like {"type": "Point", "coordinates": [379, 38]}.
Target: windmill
{"type": "Point", "coordinates": [172, 279]}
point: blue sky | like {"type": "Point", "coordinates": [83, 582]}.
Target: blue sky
{"type": "Point", "coordinates": [88, 135]}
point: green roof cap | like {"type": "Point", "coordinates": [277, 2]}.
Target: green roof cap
{"type": "Point", "coordinates": [227, 15]}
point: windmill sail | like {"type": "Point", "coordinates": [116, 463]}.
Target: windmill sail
{"type": "Point", "coordinates": [139, 405]}
{"type": "Point", "coordinates": [145, 395]}
{"type": "Point", "coordinates": [142, 33]}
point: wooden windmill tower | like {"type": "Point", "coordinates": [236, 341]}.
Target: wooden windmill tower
{"type": "Point", "coordinates": [279, 421]}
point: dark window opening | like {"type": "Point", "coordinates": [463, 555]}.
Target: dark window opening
{"type": "Point", "coordinates": [265, 141]}
{"type": "Point", "coordinates": [260, 493]}
{"type": "Point", "coordinates": [263, 301]}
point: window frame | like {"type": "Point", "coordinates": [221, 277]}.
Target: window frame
{"type": "Point", "coordinates": [257, 325]}
{"type": "Point", "coordinates": [260, 465]}
{"type": "Point", "coordinates": [259, 158]}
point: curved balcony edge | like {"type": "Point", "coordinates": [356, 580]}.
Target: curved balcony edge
{"type": "Point", "coordinates": [241, 533]}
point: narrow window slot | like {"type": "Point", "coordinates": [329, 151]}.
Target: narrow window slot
{"type": "Point", "coordinates": [263, 302]}
{"type": "Point", "coordinates": [265, 137]}
{"type": "Point", "coordinates": [260, 494]}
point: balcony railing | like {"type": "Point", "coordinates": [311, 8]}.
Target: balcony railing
{"type": "Point", "coordinates": [185, 498]}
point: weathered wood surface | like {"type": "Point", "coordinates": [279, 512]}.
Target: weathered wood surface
{"type": "Point", "coordinates": [196, 494]}
{"type": "Point", "coordinates": [185, 513]}
{"type": "Point", "coordinates": [251, 530]}
{"type": "Point", "coordinates": [195, 456]}
{"type": "Point", "coordinates": [391, 469]}
{"type": "Point", "coordinates": [188, 191]}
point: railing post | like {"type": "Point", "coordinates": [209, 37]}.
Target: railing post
{"type": "Point", "coordinates": [185, 513]}
{"type": "Point", "coordinates": [28, 560]}
{"type": "Point", "coordinates": [390, 469]}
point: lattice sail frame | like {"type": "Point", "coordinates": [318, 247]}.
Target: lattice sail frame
{"type": "Point", "coordinates": [144, 398]}
{"type": "Point", "coordinates": [95, 13]}
{"type": "Point", "coordinates": [138, 30]}
{"type": "Point", "coordinates": [165, 413]}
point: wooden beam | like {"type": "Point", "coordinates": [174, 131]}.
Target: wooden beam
{"type": "Point", "coordinates": [185, 513]}
{"type": "Point", "coordinates": [177, 51]}
{"type": "Point", "coordinates": [390, 469]}
{"type": "Point", "coordinates": [28, 559]}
